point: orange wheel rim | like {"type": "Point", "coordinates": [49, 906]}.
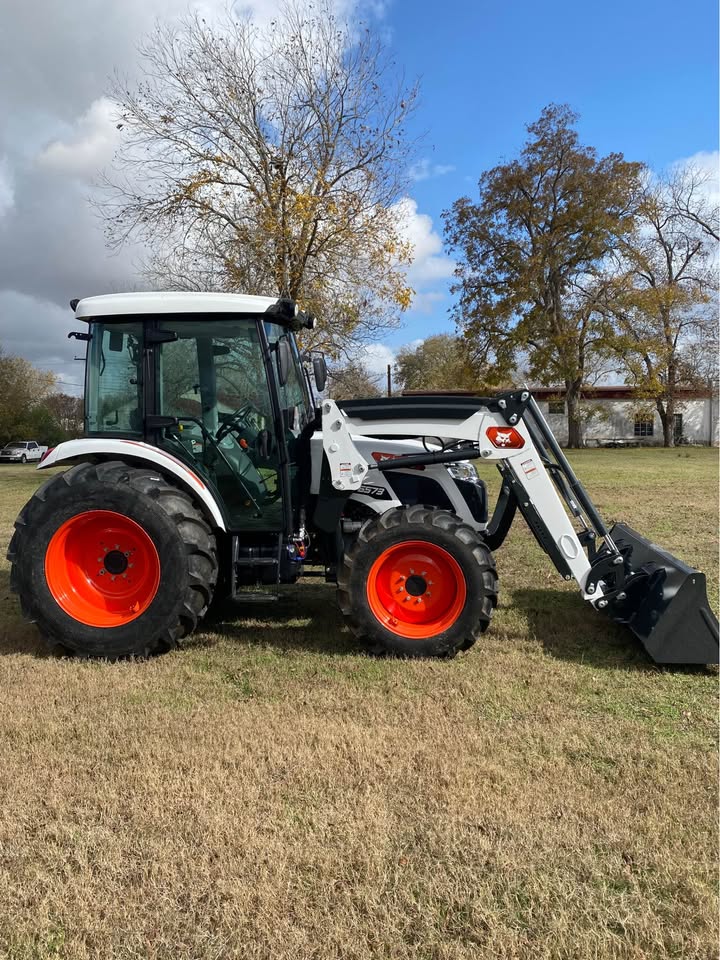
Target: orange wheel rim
{"type": "Point", "coordinates": [416, 589]}
{"type": "Point", "coordinates": [102, 568]}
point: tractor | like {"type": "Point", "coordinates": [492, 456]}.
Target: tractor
{"type": "Point", "coordinates": [209, 471]}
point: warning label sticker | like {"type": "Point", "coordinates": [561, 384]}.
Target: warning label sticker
{"type": "Point", "coordinates": [345, 468]}
{"type": "Point", "coordinates": [529, 468]}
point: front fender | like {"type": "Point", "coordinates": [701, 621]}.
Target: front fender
{"type": "Point", "coordinates": [91, 448]}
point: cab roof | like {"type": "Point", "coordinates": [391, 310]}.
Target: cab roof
{"type": "Point", "coordinates": [125, 304]}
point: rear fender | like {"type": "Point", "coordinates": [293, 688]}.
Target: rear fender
{"type": "Point", "coordinates": [94, 448]}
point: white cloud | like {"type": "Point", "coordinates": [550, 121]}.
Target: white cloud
{"type": "Point", "coordinates": [377, 356]}
{"type": "Point", "coordinates": [89, 146]}
{"type": "Point", "coordinates": [424, 170]}
{"type": "Point", "coordinates": [427, 302]}
{"type": "Point", "coordinates": [430, 265]}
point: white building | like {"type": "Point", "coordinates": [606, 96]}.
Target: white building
{"type": "Point", "coordinates": [617, 417]}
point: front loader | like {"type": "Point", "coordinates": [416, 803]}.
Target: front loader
{"type": "Point", "coordinates": [207, 471]}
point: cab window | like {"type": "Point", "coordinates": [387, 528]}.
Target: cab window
{"type": "Point", "coordinates": [294, 400]}
{"type": "Point", "coordinates": [114, 379]}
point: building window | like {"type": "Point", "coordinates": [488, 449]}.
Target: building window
{"type": "Point", "coordinates": [644, 425]}
{"type": "Point", "coordinates": [556, 406]}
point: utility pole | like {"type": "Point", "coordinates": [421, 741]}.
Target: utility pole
{"type": "Point", "coordinates": [389, 379]}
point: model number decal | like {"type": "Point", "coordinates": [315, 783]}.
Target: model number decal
{"type": "Point", "coordinates": [369, 490]}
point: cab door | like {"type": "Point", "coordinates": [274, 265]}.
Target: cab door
{"type": "Point", "coordinates": [213, 377]}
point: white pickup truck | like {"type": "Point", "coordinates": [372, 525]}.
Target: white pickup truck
{"type": "Point", "coordinates": [21, 451]}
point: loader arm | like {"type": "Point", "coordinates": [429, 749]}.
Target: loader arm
{"type": "Point", "coordinates": [466, 434]}
{"type": "Point", "coordinates": [637, 583]}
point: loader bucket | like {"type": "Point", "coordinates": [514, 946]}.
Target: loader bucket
{"type": "Point", "coordinates": [667, 609]}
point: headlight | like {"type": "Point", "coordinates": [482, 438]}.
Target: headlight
{"type": "Point", "coordinates": [462, 470]}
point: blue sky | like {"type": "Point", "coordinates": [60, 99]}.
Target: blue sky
{"type": "Point", "coordinates": [643, 76]}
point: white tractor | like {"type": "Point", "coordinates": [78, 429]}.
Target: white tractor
{"type": "Point", "coordinates": [207, 468]}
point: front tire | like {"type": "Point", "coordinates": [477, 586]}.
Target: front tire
{"type": "Point", "coordinates": [111, 561]}
{"type": "Point", "coordinates": [23, 459]}
{"type": "Point", "coordinates": [418, 582]}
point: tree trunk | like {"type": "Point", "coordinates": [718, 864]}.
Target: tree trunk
{"type": "Point", "coordinates": [666, 411]}
{"type": "Point", "coordinates": [572, 399]}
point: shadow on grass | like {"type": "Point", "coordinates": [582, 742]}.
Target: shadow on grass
{"type": "Point", "coordinates": [570, 629]}
{"type": "Point", "coordinates": [304, 618]}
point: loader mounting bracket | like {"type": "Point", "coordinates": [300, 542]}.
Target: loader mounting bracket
{"type": "Point", "coordinates": [609, 572]}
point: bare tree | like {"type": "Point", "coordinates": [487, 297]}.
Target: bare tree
{"type": "Point", "coordinates": [663, 300]}
{"type": "Point", "coordinates": [353, 380]}
{"type": "Point", "coordinates": [691, 190]}
{"type": "Point", "coordinates": [269, 160]}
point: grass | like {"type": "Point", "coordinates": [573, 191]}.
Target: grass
{"type": "Point", "coordinates": [269, 792]}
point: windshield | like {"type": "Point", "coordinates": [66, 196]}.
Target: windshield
{"type": "Point", "coordinates": [14, 446]}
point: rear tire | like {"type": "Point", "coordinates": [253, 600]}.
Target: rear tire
{"type": "Point", "coordinates": [418, 582]}
{"type": "Point", "coordinates": [79, 585]}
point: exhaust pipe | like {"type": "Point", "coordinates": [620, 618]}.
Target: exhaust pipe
{"type": "Point", "coordinates": [664, 602]}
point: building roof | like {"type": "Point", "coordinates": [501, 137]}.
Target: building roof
{"type": "Point", "coordinates": [617, 392]}
{"type": "Point", "coordinates": [123, 304]}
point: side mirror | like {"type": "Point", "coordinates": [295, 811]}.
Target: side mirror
{"type": "Point", "coordinates": [320, 372]}
{"type": "Point", "coordinates": [284, 360]}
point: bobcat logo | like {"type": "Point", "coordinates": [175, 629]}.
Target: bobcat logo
{"type": "Point", "coordinates": [503, 439]}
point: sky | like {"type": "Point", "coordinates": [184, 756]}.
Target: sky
{"type": "Point", "coordinates": [642, 75]}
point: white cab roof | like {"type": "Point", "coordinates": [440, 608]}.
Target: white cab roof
{"type": "Point", "coordinates": [123, 304]}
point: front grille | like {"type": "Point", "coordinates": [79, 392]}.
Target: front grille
{"type": "Point", "coordinates": [475, 496]}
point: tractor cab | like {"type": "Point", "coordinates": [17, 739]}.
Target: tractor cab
{"type": "Point", "coordinates": [223, 391]}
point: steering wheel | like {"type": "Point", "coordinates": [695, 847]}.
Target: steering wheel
{"type": "Point", "coordinates": [230, 420]}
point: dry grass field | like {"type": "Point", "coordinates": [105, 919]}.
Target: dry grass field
{"type": "Point", "coordinates": [269, 792]}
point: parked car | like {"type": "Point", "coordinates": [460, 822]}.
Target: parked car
{"type": "Point", "coordinates": [21, 451]}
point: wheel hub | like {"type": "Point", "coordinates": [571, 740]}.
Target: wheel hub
{"type": "Point", "coordinates": [116, 562]}
{"type": "Point", "coordinates": [416, 589]}
{"type": "Point", "coordinates": [416, 585]}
